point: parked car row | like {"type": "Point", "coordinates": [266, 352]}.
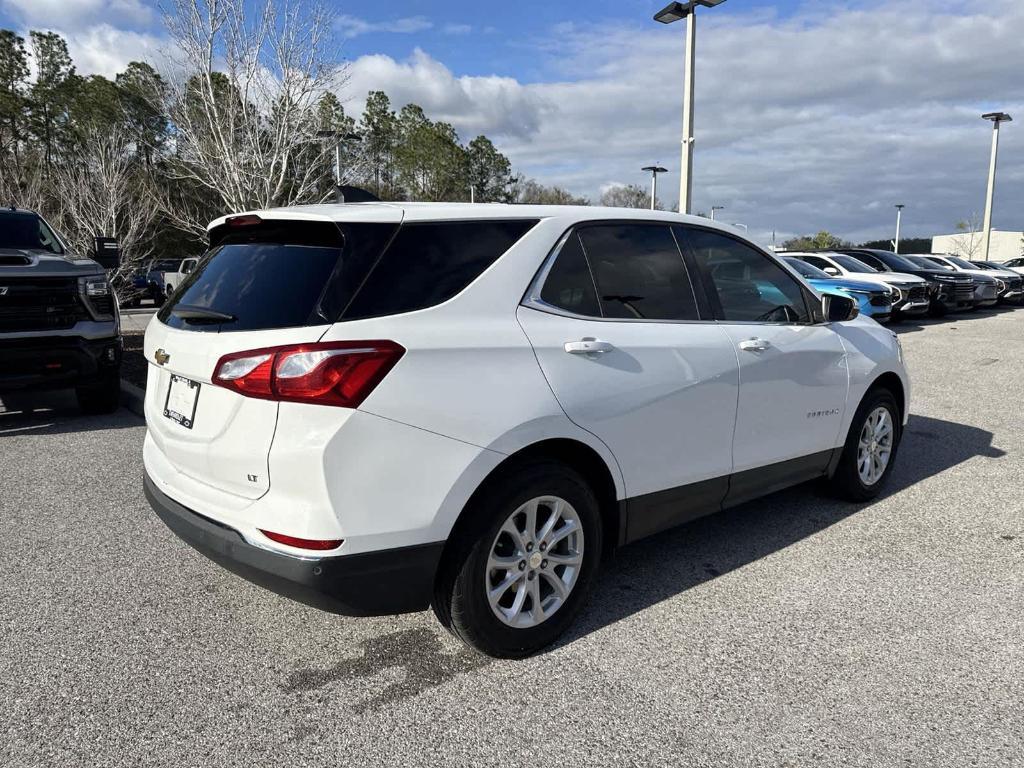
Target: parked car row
{"type": "Point", "coordinates": [891, 287]}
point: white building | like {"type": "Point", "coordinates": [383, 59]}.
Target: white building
{"type": "Point", "coordinates": [970, 245]}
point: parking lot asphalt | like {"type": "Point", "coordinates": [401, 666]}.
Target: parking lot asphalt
{"type": "Point", "coordinates": [794, 630]}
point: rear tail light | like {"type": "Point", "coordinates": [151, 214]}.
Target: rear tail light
{"type": "Point", "coordinates": [294, 541]}
{"type": "Point", "coordinates": [331, 373]}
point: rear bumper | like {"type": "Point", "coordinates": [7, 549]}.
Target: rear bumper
{"type": "Point", "coordinates": [51, 362]}
{"type": "Point", "coordinates": [369, 584]}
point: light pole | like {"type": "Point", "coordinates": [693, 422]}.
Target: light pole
{"type": "Point", "coordinates": [670, 13]}
{"type": "Point", "coordinates": [997, 118]}
{"type": "Point", "coordinates": [716, 208]}
{"type": "Point", "coordinates": [654, 170]}
{"type": "Point", "coordinates": [899, 221]}
{"type": "Point", "coordinates": [338, 136]}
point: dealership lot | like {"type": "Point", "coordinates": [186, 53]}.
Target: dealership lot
{"type": "Point", "coordinates": [790, 630]}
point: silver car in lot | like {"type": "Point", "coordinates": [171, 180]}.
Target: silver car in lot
{"type": "Point", "coordinates": [1013, 291]}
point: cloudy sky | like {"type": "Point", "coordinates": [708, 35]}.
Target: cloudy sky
{"type": "Point", "coordinates": [811, 114]}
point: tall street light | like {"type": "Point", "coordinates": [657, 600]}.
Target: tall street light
{"type": "Point", "coordinates": [670, 13]}
{"type": "Point", "coordinates": [997, 118]}
{"type": "Point", "coordinates": [716, 208]}
{"type": "Point", "coordinates": [654, 170]}
{"type": "Point", "coordinates": [899, 221]}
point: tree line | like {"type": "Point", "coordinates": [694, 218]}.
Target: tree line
{"type": "Point", "coordinates": [244, 116]}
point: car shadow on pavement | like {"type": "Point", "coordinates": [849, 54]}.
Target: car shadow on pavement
{"type": "Point", "coordinates": [655, 569]}
{"type": "Point", "coordinates": [54, 413]}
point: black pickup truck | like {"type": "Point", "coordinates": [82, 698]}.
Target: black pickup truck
{"type": "Point", "coordinates": [59, 321]}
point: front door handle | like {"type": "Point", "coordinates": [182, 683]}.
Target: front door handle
{"type": "Point", "coordinates": [588, 347]}
{"type": "Point", "coordinates": [755, 345]}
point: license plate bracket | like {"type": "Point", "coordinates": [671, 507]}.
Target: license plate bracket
{"type": "Point", "coordinates": [182, 398]}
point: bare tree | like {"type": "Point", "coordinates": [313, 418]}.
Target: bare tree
{"type": "Point", "coordinates": [105, 191]}
{"type": "Point", "coordinates": [243, 101]}
{"type": "Point", "coordinates": [628, 196]}
{"type": "Point", "coordinates": [967, 244]}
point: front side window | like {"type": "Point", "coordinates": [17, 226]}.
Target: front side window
{"type": "Point", "coordinates": [639, 272]}
{"type": "Point", "coordinates": [750, 287]}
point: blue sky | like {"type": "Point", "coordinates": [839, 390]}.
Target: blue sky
{"type": "Point", "coordinates": [811, 114]}
{"type": "Point", "coordinates": [477, 38]}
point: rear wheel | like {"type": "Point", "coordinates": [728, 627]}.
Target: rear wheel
{"type": "Point", "coordinates": [870, 450]}
{"type": "Point", "coordinates": [103, 396]}
{"type": "Point", "coordinates": [516, 578]}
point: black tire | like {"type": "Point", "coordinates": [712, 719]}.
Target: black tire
{"type": "Point", "coordinates": [846, 482]}
{"type": "Point", "coordinates": [460, 600]}
{"type": "Point", "coordinates": [103, 396]}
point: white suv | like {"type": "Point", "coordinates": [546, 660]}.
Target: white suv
{"type": "Point", "coordinates": [373, 408]}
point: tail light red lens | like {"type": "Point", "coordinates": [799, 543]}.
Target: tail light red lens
{"type": "Point", "coordinates": [330, 373]}
{"type": "Point", "coordinates": [294, 541]}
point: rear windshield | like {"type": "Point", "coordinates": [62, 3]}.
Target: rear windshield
{"type": "Point", "coordinates": [284, 276]}
{"type": "Point", "coordinates": [807, 270]}
{"type": "Point", "coordinates": [851, 264]}
{"type": "Point", "coordinates": [28, 232]}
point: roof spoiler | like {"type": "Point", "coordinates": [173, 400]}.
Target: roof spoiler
{"type": "Point", "coordinates": [346, 194]}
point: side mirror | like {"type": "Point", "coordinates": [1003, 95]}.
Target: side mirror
{"type": "Point", "coordinates": [838, 309]}
{"type": "Point", "coordinates": [107, 253]}
{"type": "Point", "coordinates": [832, 271]}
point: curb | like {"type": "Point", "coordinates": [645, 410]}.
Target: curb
{"type": "Point", "coordinates": [133, 398]}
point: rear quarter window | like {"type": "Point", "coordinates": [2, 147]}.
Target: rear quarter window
{"type": "Point", "coordinates": [428, 263]}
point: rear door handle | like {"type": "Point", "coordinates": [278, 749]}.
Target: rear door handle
{"type": "Point", "coordinates": [755, 345]}
{"type": "Point", "coordinates": [588, 347]}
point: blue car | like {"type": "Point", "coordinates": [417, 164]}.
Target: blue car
{"type": "Point", "coordinates": [874, 300]}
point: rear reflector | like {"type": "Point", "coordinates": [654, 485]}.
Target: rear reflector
{"type": "Point", "coordinates": [338, 373]}
{"type": "Point", "coordinates": [293, 541]}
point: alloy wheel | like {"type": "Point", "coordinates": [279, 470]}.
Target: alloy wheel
{"type": "Point", "coordinates": [534, 562]}
{"type": "Point", "coordinates": [874, 448]}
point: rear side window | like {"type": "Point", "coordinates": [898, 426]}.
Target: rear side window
{"type": "Point", "coordinates": [639, 272]}
{"type": "Point", "coordinates": [429, 263]}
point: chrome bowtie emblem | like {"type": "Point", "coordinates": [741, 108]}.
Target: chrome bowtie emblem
{"type": "Point", "coordinates": [161, 357]}
{"type": "Point", "coordinates": [3, 290]}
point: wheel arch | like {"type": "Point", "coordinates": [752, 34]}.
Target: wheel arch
{"type": "Point", "coordinates": [894, 384]}
{"type": "Point", "coordinates": [573, 453]}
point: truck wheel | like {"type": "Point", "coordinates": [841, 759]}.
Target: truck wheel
{"type": "Point", "coordinates": [104, 396]}
{"type": "Point", "coordinates": [516, 578]}
{"type": "Point", "coordinates": [870, 450]}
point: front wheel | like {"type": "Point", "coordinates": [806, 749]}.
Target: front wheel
{"type": "Point", "coordinates": [517, 577]}
{"type": "Point", "coordinates": [870, 450]}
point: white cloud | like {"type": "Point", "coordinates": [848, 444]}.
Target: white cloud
{"type": "Point", "coordinates": [457, 29]}
{"type": "Point", "coordinates": [106, 50]}
{"type": "Point", "coordinates": [351, 26]}
{"type": "Point", "coordinates": [823, 120]}
{"type": "Point", "coordinates": [498, 106]}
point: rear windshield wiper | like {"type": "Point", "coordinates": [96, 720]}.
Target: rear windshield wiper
{"type": "Point", "coordinates": [190, 313]}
